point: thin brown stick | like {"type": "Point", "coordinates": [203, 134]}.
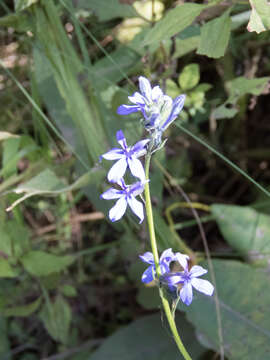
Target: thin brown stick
{"type": "Point", "coordinates": [78, 218]}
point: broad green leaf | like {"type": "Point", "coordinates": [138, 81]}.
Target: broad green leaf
{"type": "Point", "coordinates": [56, 318]}
{"type": "Point", "coordinates": [223, 112]}
{"type": "Point", "coordinates": [23, 310]}
{"type": "Point", "coordinates": [40, 263]}
{"type": "Point", "coordinates": [113, 9]}
{"type": "Point", "coordinates": [6, 270]}
{"type": "Point", "coordinates": [68, 290]}
{"type": "Point", "coordinates": [47, 183]}
{"type": "Point", "coordinates": [215, 36]}
{"type": "Point", "coordinates": [24, 4]}
{"type": "Point", "coordinates": [148, 338]}
{"type": "Point", "coordinates": [189, 77]}
{"type": "Point", "coordinates": [14, 238]}
{"type": "Point", "coordinates": [184, 46]}
{"type": "Point", "coordinates": [244, 298]}
{"type": "Point", "coordinates": [239, 87]}
{"type": "Point", "coordinates": [260, 16]}
{"type": "Point", "coordinates": [246, 230]}
{"type": "Point", "coordinates": [10, 149]}
{"type": "Point", "coordinates": [148, 297]}
{"type": "Point", "coordinates": [6, 135]}
{"type": "Point", "coordinates": [173, 22]}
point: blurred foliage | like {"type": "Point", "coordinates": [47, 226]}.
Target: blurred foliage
{"type": "Point", "coordinates": [69, 278]}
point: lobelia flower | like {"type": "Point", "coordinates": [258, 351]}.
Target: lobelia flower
{"type": "Point", "coordinates": [158, 110]}
{"type": "Point", "coordinates": [126, 196]}
{"type": "Point", "coordinates": [127, 157]}
{"type": "Point", "coordinates": [189, 279]}
{"type": "Point", "coordinates": [165, 259]}
{"type": "Point", "coordinates": [149, 102]}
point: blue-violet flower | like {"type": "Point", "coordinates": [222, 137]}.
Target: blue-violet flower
{"type": "Point", "coordinates": [158, 109]}
{"type": "Point", "coordinates": [126, 196]}
{"type": "Point", "coordinates": [189, 279]}
{"type": "Point", "coordinates": [165, 259]}
{"type": "Point", "coordinates": [127, 157]}
{"type": "Point", "coordinates": [149, 102]}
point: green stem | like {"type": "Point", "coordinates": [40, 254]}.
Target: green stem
{"type": "Point", "coordinates": [149, 214]}
{"type": "Point", "coordinates": [165, 303]}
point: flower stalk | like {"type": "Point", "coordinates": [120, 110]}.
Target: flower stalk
{"type": "Point", "coordinates": [153, 242]}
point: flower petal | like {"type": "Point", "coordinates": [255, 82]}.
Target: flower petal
{"type": "Point", "coordinates": [145, 88]}
{"type": "Point", "coordinates": [118, 210]}
{"type": "Point", "coordinates": [147, 276]}
{"type": "Point", "coordinates": [117, 171]}
{"type": "Point", "coordinates": [137, 98]}
{"type": "Point", "coordinates": [136, 168]}
{"type": "Point", "coordinates": [120, 137]}
{"type": "Point", "coordinates": [127, 109]}
{"type": "Point", "coordinates": [147, 258]}
{"type": "Point", "coordinates": [137, 207]}
{"type": "Point", "coordinates": [111, 194]}
{"type": "Point", "coordinates": [197, 271]}
{"type": "Point", "coordinates": [139, 148]}
{"type": "Point", "coordinates": [113, 154]}
{"type": "Point", "coordinates": [186, 293]}
{"type": "Point", "coordinates": [174, 278]}
{"type": "Point", "coordinates": [164, 268]}
{"type": "Point", "coordinates": [182, 259]}
{"type": "Point", "coordinates": [177, 106]}
{"type": "Point", "coordinates": [156, 93]}
{"type": "Point", "coordinates": [204, 286]}
{"type": "Point", "coordinates": [137, 188]}
{"type": "Point", "coordinates": [166, 257]}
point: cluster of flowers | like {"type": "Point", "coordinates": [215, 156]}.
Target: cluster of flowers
{"type": "Point", "coordinates": [186, 278]}
{"type": "Point", "coordinates": [159, 111]}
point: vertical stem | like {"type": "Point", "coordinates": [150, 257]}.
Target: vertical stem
{"type": "Point", "coordinates": [149, 214]}
{"type": "Point", "coordinates": [165, 303]}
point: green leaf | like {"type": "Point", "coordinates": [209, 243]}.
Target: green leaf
{"type": "Point", "coordinates": [260, 16]}
{"type": "Point", "coordinates": [244, 303]}
{"type": "Point", "coordinates": [56, 318]}
{"type": "Point", "coordinates": [184, 46]}
{"type": "Point", "coordinates": [14, 238]}
{"type": "Point", "coordinates": [189, 77]}
{"type": "Point", "coordinates": [147, 338]}
{"type": "Point", "coordinates": [47, 183]}
{"type": "Point", "coordinates": [113, 9]}
{"type": "Point", "coordinates": [24, 4]}
{"type": "Point", "coordinates": [246, 230]}
{"type": "Point", "coordinates": [6, 270]}
{"type": "Point", "coordinates": [215, 36]}
{"type": "Point", "coordinates": [148, 297]}
{"type": "Point", "coordinates": [23, 310]}
{"type": "Point", "coordinates": [173, 22]}
{"type": "Point", "coordinates": [239, 87]}
{"type": "Point", "coordinates": [68, 290]}
{"type": "Point", "coordinates": [39, 263]}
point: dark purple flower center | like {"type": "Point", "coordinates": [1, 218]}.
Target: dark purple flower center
{"type": "Point", "coordinates": [186, 276]}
